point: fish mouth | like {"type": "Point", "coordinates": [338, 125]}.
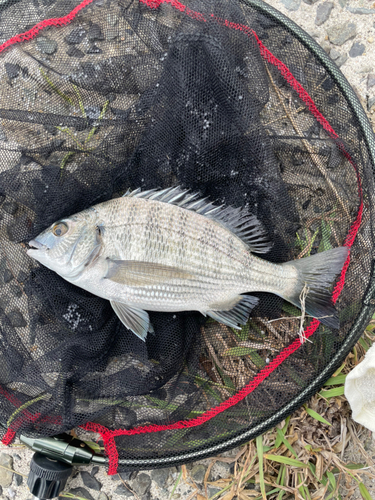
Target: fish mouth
{"type": "Point", "coordinates": [34, 244]}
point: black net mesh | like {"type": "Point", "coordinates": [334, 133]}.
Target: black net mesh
{"type": "Point", "coordinates": [149, 94]}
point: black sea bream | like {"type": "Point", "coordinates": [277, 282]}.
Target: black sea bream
{"type": "Point", "coordinates": [171, 251]}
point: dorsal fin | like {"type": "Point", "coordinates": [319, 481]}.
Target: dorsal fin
{"type": "Point", "coordinates": [238, 220]}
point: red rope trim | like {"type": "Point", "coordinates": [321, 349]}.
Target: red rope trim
{"type": "Point", "coordinates": [8, 438]}
{"type": "Point", "coordinates": [28, 35]}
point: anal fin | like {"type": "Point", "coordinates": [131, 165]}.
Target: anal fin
{"type": "Point", "coordinates": [239, 314]}
{"type": "Point", "coordinates": [137, 320]}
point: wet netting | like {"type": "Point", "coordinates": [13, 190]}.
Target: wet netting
{"type": "Point", "coordinates": [230, 99]}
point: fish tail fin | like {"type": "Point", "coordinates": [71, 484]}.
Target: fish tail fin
{"type": "Point", "coordinates": [316, 275]}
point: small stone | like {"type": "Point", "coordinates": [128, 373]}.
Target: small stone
{"type": "Point", "coordinates": [341, 60]}
{"type": "Point", "coordinates": [310, 2]}
{"type": "Point", "coordinates": [81, 492]}
{"type": "Point", "coordinates": [323, 12]}
{"type": "Point", "coordinates": [366, 69]}
{"type": "Point", "coordinates": [90, 481]}
{"type": "Point", "coordinates": [94, 471]}
{"type": "Point", "coordinates": [122, 490]}
{"type": "Point", "coordinates": [102, 496]}
{"type": "Point", "coordinates": [341, 33]}
{"type": "Point", "coordinates": [357, 49]}
{"type": "Point", "coordinates": [7, 276]}
{"type": "Point", "coordinates": [343, 3]}
{"type": "Point", "coordinates": [76, 36]}
{"type": "Point", "coordinates": [3, 136]}
{"type": "Point", "coordinates": [370, 80]}
{"type": "Point", "coordinates": [6, 476]}
{"type": "Point", "coordinates": [16, 457]}
{"type": "Point", "coordinates": [360, 10]}
{"type": "Point", "coordinates": [371, 39]}
{"type": "Point", "coordinates": [10, 207]}
{"type": "Point", "coordinates": [112, 34]}
{"type": "Point", "coordinates": [13, 70]}
{"type": "Point", "coordinates": [95, 33]}
{"type": "Point", "coordinates": [370, 103]}
{"type": "Point", "coordinates": [142, 484]}
{"type": "Point", "coordinates": [291, 5]}
{"type": "Point", "coordinates": [160, 476]}
{"type": "Point", "coordinates": [220, 470]}
{"type": "Point", "coordinates": [94, 50]}
{"type": "Point", "coordinates": [198, 472]}
{"type": "Point", "coordinates": [314, 34]}
{"type": "Point", "coordinates": [18, 479]}
{"type": "Point", "coordinates": [22, 277]}
{"type": "Point", "coordinates": [334, 54]}
{"type": "Point", "coordinates": [46, 45]}
{"type": "Point", "coordinates": [74, 52]}
{"type": "Point", "coordinates": [128, 475]}
{"type": "Point", "coordinates": [212, 490]}
{"type": "Point", "coordinates": [17, 320]}
{"type": "Point", "coordinates": [11, 493]}
{"type": "Point", "coordinates": [326, 46]}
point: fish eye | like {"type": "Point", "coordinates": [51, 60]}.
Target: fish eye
{"type": "Point", "coordinates": [60, 229]}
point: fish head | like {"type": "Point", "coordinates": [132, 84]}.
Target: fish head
{"type": "Point", "coordinates": [66, 246]}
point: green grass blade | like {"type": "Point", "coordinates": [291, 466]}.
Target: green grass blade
{"type": "Point", "coordinates": [315, 415]}
{"type": "Point", "coordinates": [331, 393]}
{"type": "Point", "coordinates": [259, 444]}
{"type": "Point", "coordinates": [332, 479]}
{"type": "Point", "coordinates": [364, 344]}
{"type": "Point", "coordinates": [286, 442]}
{"type": "Point", "coordinates": [55, 89]}
{"type": "Point", "coordinates": [340, 379]}
{"type": "Point", "coordinates": [285, 460]}
{"type": "Point", "coordinates": [239, 351]}
{"type": "Point", "coordinates": [80, 102]}
{"type": "Point", "coordinates": [364, 492]}
{"type": "Point", "coordinates": [281, 481]}
{"type": "Point", "coordinates": [176, 483]}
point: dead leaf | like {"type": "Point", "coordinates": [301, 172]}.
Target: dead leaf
{"type": "Point", "coordinates": [184, 472]}
{"type": "Point", "coordinates": [319, 467]}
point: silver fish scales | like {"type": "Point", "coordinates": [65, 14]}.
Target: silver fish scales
{"type": "Point", "coordinates": [170, 251]}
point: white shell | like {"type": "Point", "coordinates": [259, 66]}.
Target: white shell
{"type": "Point", "coordinates": [360, 390]}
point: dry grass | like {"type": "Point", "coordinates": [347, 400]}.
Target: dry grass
{"type": "Point", "coordinates": [303, 457]}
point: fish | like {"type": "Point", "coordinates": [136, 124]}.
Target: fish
{"type": "Point", "coordinates": [171, 250]}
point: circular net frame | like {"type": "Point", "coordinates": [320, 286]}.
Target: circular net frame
{"type": "Point", "coordinates": [227, 98]}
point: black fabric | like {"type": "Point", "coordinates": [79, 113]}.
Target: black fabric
{"type": "Point", "coordinates": [127, 96]}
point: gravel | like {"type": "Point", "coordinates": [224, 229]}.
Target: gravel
{"type": "Point", "coordinates": [341, 33]}
{"type": "Point", "coordinates": [291, 5]}
{"type": "Point", "coordinates": [323, 12]}
{"type": "Point", "coordinates": [81, 492]}
{"type": "Point", "coordinates": [46, 45]}
{"type": "Point", "coordinates": [90, 481]}
{"type": "Point", "coordinates": [357, 49]}
{"type": "Point", "coordinates": [6, 477]}
{"type": "Point", "coordinates": [370, 80]}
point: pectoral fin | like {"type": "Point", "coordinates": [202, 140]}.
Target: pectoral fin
{"type": "Point", "coordinates": [137, 320]}
{"type": "Point", "coordinates": [138, 273]}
